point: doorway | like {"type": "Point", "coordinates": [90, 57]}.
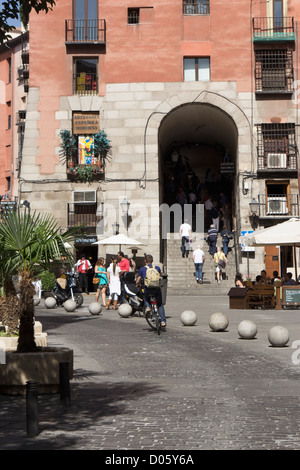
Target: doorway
{"type": "Point", "coordinates": [197, 154]}
{"type": "Point", "coordinates": [91, 253]}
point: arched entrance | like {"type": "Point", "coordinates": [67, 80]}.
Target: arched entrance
{"type": "Point", "coordinates": [198, 148]}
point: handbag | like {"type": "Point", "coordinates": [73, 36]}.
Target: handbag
{"type": "Point", "coordinates": [221, 263]}
{"type": "Point", "coordinates": [96, 280]}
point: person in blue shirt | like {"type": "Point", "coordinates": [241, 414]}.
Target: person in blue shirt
{"type": "Point", "coordinates": [141, 276]}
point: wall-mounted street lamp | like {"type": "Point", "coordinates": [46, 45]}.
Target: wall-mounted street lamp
{"type": "Point", "coordinates": [254, 209]}
{"type": "Point", "coordinates": [254, 206]}
{"type": "Point", "coordinates": [125, 206]}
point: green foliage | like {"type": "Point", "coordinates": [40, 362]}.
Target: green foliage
{"type": "Point", "coordinates": [48, 280]}
{"type": "Point", "coordinates": [11, 10]}
{"type": "Point", "coordinates": [101, 143]}
{"type": "Point", "coordinates": [67, 143]}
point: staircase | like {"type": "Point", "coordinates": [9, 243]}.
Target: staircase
{"type": "Point", "coordinates": [181, 279]}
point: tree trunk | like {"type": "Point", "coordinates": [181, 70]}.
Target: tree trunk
{"type": "Point", "coordinates": [26, 341]}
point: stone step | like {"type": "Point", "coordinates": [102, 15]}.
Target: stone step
{"type": "Point", "coordinates": [181, 278]}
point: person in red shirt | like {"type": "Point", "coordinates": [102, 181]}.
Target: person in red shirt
{"type": "Point", "coordinates": [123, 263]}
{"type": "Point", "coordinates": [83, 266]}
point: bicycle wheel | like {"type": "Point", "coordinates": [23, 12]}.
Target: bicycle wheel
{"type": "Point", "coordinates": [157, 322]}
{"type": "Point", "coordinates": [148, 316]}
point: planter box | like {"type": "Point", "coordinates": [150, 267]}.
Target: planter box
{"type": "Point", "coordinates": [41, 366]}
{"type": "Point", "coordinates": [10, 343]}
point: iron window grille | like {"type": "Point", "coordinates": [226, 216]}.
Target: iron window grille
{"type": "Point", "coordinates": [133, 15]}
{"type": "Point", "coordinates": [276, 146]}
{"type": "Point", "coordinates": [274, 71]}
{"type": "Point", "coordinates": [196, 7]}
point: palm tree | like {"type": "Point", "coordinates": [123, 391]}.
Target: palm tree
{"type": "Point", "coordinates": [29, 242]}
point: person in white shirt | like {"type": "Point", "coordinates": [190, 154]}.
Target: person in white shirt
{"type": "Point", "coordinates": [185, 233]}
{"type": "Point", "coordinates": [199, 258]}
{"type": "Point", "coordinates": [83, 266]}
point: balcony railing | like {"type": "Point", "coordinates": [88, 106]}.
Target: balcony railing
{"type": "Point", "coordinates": [85, 31]}
{"type": "Point", "coordinates": [85, 171]}
{"type": "Point", "coordinates": [85, 84]}
{"type": "Point", "coordinates": [195, 7]}
{"type": "Point", "coordinates": [83, 214]}
{"type": "Point", "coordinates": [277, 162]}
{"type": "Point", "coordinates": [273, 29]}
{"type": "Point", "coordinates": [278, 205]}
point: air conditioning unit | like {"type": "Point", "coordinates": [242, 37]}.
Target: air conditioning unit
{"type": "Point", "coordinates": [277, 205]}
{"type": "Point", "coordinates": [276, 160]}
{"type": "Point", "coordinates": [80, 197]}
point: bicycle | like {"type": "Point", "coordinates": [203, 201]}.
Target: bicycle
{"type": "Point", "coordinates": [152, 316]}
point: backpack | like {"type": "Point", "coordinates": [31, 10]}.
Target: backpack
{"type": "Point", "coordinates": [152, 277]}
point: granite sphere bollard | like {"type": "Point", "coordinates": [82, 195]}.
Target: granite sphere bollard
{"type": "Point", "coordinates": [247, 329]}
{"type": "Point", "coordinates": [218, 322]}
{"type": "Point", "coordinates": [188, 318]}
{"type": "Point", "coordinates": [125, 310]}
{"type": "Point", "coordinates": [278, 336]}
{"type": "Point", "coordinates": [36, 300]}
{"type": "Point", "coordinates": [70, 305]}
{"type": "Point", "coordinates": [50, 302]}
{"type": "Point", "coordinates": [95, 308]}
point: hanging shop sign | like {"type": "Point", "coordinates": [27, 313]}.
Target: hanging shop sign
{"type": "Point", "coordinates": [86, 123]}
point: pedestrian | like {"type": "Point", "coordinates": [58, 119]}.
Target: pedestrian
{"type": "Point", "coordinates": [199, 258]}
{"type": "Point", "coordinates": [141, 277]}
{"type": "Point", "coordinates": [82, 267]}
{"type": "Point", "coordinates": [132, 263]}
{"type": "Point", "coordinates": [100, 273]}
{"type": "Point", "coordinates": [239, 280]}
{"type": "Point", "coordinates": [221, 261]}
{"type": "Point", "coordinates": [113, 277]}
{"type": "Point", "coordinates": [211, 238]}
{"type": "Point", "coordinates": [215, 215]}
{"type": "Point", "coordinates": [288, 281]}
{"type": "Point", "coordinates": [185, 233]}
{"type": "Point", "coordinates": [123, 263]}
{"type": "Point", "coordinates": [226, 237]}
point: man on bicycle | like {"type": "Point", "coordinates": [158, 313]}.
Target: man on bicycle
{"type": "Point", "coordinates": [142, 274]}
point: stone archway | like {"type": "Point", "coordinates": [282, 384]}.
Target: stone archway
{"type": "Point", "coordinates": [198, 145]}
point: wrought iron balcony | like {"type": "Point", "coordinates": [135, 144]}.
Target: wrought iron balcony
{"type": "Point", "coordinates": [278, 205]}
{"type": "Point", "coordinates": [273, 29]}
{"type": "Point", "coordinates": [76, 170]}
{"type": "Point", "coordinates": [83, 214]}
{"type": "Point", "coordinates": [85, 32]}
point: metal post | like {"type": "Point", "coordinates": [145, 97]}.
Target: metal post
{"type": "Point", "coordinates": [32, 424]}
{"type": "Point", "coordinates": [64, 383]}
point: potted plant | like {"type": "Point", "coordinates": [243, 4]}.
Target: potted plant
{"type": "Point", "coordinates": [48, 282]}
{"type": "Point", "coordinates": [29, 243]}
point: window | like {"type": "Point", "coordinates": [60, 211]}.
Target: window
{"type": "Point", "coordinates": [85, 76]}
{"type": "Point", "coordinates": [86, 20]}
{"type": "Point", "coordinates": [277, 14]}
{"type": "Point", "coordinates": [196, 69]}
{"type": "Point", "coordinates": [274, 71]}
{"type": "Point", "coordinates": [277, 148]}
{"type": "Point", "coordinates": [196, 7]}
{"type": "Point", "coordinates": [9, 70]}
{"type": "Point", "coordinates": [133, 15]}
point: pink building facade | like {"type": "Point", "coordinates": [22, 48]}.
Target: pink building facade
{"type": "Point", "coordinates": [186, 91]}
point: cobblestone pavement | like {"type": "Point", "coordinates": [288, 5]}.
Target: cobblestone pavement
{"type": "Point", "coordinates": [187, 389]}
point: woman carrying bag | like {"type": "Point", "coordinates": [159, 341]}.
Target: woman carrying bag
{"type": "Point", "coordinates": [100, 273]}
{"type": "Point", "coordinates": [221, 261]}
